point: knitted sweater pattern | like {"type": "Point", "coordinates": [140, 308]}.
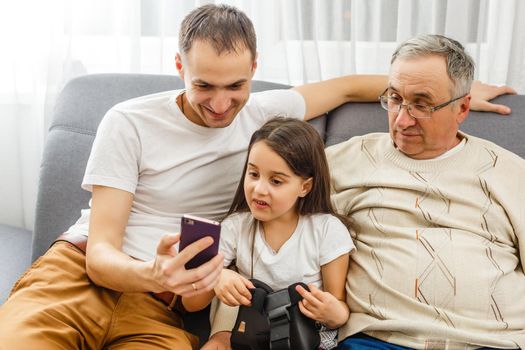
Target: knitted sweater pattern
{"type": "Point", "coordinates": [440, 243]}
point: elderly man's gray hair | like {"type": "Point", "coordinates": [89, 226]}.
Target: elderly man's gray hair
{"type": "Point", "coordinates": [460, 66]}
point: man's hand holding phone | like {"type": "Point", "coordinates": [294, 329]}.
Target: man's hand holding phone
{"type": "Point", "coordinates": [194, 228]}
{"type": "Point", "coordinates": [170, 273]}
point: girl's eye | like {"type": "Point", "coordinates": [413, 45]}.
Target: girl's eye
{"type": "Point", "coordinates": [252, 174]}
{"type": "Point", "coordinates": [276, 182]}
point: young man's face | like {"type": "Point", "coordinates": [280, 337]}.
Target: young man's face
{"type": "Point", "coordinates": [424, 80]}
{"type": "Point", "coordinates": [217, 86]}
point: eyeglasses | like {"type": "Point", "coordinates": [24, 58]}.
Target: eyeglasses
{"type": "Point", "coordinates": [415, 110]}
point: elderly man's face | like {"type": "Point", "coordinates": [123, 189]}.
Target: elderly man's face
{"type": "Point", "coordinates": [424, 80]}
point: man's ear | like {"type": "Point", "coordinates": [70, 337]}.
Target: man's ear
{"type": "Point", "coordinates": [464, 109]}
{"type": "Point", "coordinates": [306, 187]}
{"type": "Point", "coordinates": [254, 64]}
{"type": "Point", "coordinates": [178, 65]}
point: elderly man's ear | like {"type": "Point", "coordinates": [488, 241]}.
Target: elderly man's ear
{"type": "Point", "coordinates": [463, 109]}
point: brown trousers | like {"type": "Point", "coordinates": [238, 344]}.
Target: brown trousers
{"type": "Point", "coordinates": [54, 305]}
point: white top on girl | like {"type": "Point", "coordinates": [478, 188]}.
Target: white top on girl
{"type": "Point", "coordinates": [317, 240]}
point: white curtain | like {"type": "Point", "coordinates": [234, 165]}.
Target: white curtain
{"type": "Point", "coordinates": [46, 43]}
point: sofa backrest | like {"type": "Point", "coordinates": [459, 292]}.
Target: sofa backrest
{"type": "Point", "coordinates": [78, 111]}
{"type": "Point", "coordinates": [84, 101]}
{"type": "Point", "coordinates": [355, 119]}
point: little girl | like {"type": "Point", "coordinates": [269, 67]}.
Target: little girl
{"type": "Point", "coordinates": [281, 227]}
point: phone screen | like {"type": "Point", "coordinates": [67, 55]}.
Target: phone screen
{"type": "Point", "coordinates": [194, 228]}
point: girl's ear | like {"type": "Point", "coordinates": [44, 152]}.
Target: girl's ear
{"type": "Point", "coordinates": [306, 187]}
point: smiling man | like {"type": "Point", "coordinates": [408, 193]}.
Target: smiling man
{"type": "Point", "coordinates": [440, 216]}
{"type": "Point", "coordinates": [155, 158]}
{"type": "Point", "coordinates": [218, 86]}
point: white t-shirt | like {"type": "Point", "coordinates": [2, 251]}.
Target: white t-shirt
{"type": "Point", "coordinates": [146, 146]}
{"type": "Point", "coordinates": [317, 240]}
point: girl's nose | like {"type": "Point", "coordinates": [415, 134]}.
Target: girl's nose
{"type": "Point", "coordinates": [260, 187]}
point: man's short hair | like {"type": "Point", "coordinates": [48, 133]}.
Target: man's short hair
{"type": "Point", "coordinates": [225, 27]}
{"type": "Point", "coordinates": [460, 66]}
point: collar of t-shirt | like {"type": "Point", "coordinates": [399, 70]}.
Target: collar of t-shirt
{"type": "Point", "coordinates": [451, 151]}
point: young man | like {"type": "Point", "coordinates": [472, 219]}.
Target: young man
{"type": "Point", "coordinates": [155, 158]}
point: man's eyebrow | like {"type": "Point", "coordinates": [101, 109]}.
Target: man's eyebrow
{"type": "Point", "coordinates": [423, 95]}
{"type": "Point", "coordinates": [420, 95]}
{"type": "Point", "coordinates": [200, 81]}
{"type": "Point", "coordinates": [238, 82]}
{"type": "Point", "coordinates": [390, 87]}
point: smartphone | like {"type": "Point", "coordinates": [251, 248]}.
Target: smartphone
{"type": "Point", "coordinates": [194, 228]}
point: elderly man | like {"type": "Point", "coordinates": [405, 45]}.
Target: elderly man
{"type": "Point", "coordinates": [149, 159]}
{"type": "Point", "coordinates": [440, 215]}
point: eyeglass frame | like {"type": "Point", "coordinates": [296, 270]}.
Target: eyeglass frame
{"type": "Point", "coordinates": [408, 106]}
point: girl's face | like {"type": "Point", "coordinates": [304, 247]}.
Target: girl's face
{"type": "Point", "coordinates": [271, 187]}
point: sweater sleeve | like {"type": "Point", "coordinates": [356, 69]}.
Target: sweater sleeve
{"type": "Point", "coordinates": [222, 317]}
{"type": "Point", "coordinates": [519, 230]}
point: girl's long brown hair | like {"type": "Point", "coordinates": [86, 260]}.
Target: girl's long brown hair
{"type": "Point", "coordinates": [299, 144]}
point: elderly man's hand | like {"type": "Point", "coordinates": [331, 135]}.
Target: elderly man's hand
{"type": "Point", "coordinates": [482, 93]}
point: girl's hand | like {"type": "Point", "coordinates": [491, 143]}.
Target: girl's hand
{"type": "Point", "coordinates": [323, 307]}
{"type": "Point", "coordinates": [232, 289]}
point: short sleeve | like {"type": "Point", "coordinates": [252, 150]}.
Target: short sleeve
{"type": "Point", "coordinates": [336, 241]}
{"type": "Point", "coordinates": [115, 157]}
{"type": "Point", "coordinates": [228, 241]}
{"type": "Point", "coordinates": [280, 103]}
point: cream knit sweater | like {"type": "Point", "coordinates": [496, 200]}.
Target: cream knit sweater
{"type": "Point", "coordinates": [440, 244]}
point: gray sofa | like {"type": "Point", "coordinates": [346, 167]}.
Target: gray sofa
{"type": "Point", "coordinates": [82, 104]}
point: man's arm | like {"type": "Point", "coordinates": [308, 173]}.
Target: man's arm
{"type": "Point", "coordinates": [324, 96]}
{"type": "Point", "coordinates": [482, 93]}
{"type": "Point", "coordinates": [198, 302]}
{"type": "Point", "coordinates": [109, 267]}
{"type": "Point", "coordinates": [109, 215]}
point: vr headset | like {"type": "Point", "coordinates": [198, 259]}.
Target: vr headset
{"type": "Point", "coordinates": [274, 321]}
